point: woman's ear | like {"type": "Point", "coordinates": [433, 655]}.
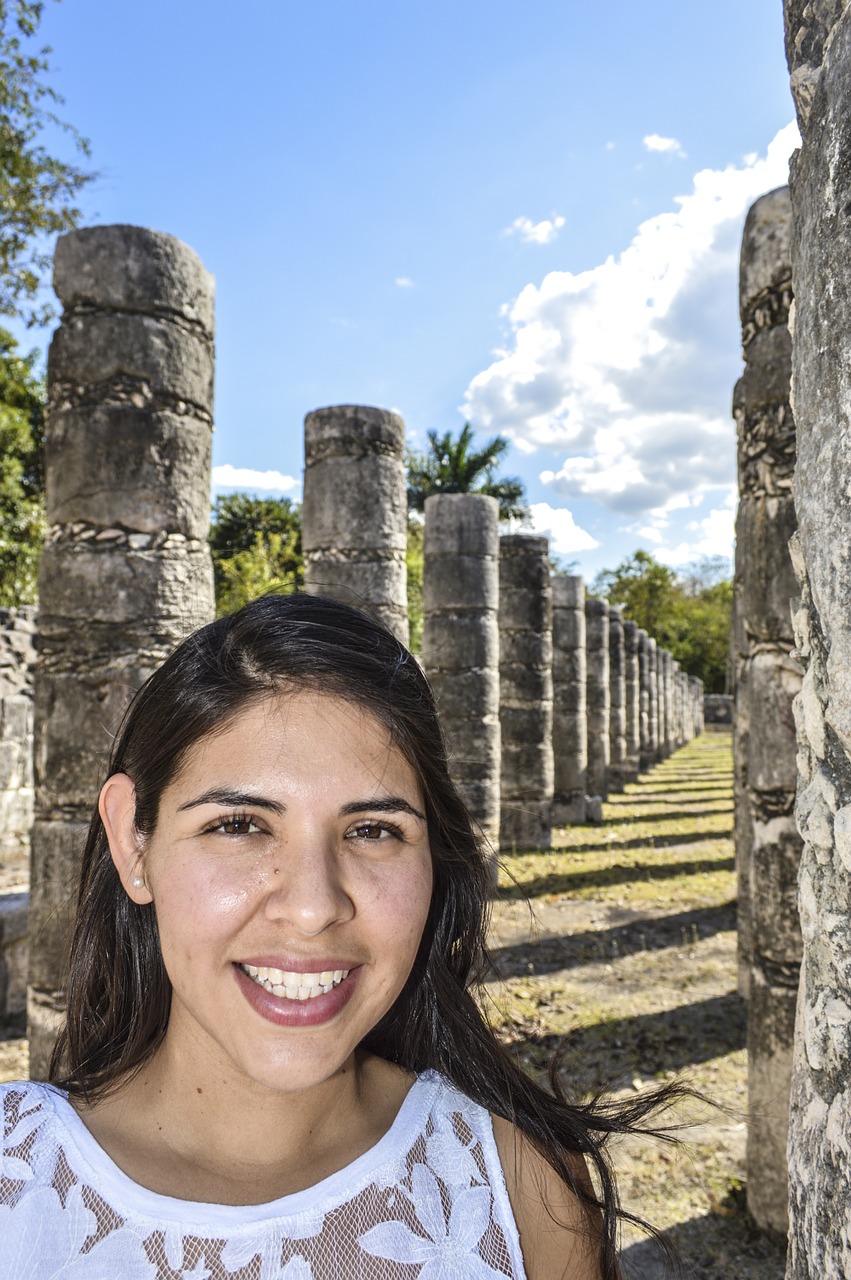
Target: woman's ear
{"type": "Point", "coordinates": [117, 808]}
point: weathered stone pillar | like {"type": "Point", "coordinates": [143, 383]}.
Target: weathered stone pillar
{"type": "Point", "coordinates": [617, 701]}
{"type": "Point", "coordinates": [662, 751]}
{"type": "Point", "coordinates": [354, 513]}
{"type": "Point", "coordinates": [461, 643]}
{"type": "Point", "coordinates": [598, 696]}
{"type": "Point", "coordinates": [126, 570]}
{"type": "Point", "coordinates": [652, 702]}
{"type": "Point", "coordinates": [677, 692]}
{"type": "Point", "coordinates": [570, 747]}
{"type": "Point", "coordinates": [632, 692]}
{"type": "Point", "coordinates": [526, 692]}
{"type": "Point", "coordinates": [768, 845]}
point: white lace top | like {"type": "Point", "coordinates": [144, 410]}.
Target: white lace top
{"type": "Point", "coordinates": [427, 1202]}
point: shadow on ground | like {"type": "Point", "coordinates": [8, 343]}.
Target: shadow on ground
{"type": "Point", "coordinates": [571, 951]}
{"type": "Point", "coordinates": [718, 1246]}
{"type": "Point", "coordinates": [619, 873]}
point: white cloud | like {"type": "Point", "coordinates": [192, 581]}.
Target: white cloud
{"type": "Point", "coordinates": [403, 282]}
{"type": "Point", "coordinates": [667, 146]}
{"type": "Point", "coordinates": [228, 477]}
{"type": "Point", "coordinates": [536, 232]}
{"type": "Point", "coordinates": [625, 371]}
{"type": "Point", "coordinates": [713, 536]}
{"type": "Point", "coordinates": [558, 524]}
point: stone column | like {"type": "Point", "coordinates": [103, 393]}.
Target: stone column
{"type": "Point", "coordinates": [570, 747]}
{"type": "Point", "coordinates": [354, 514]}
{"type": "Point", "coordinates": [617, 701]}
{"type": "Point", "coordinates": [643, 701]}
{"type": "Point", "coordinates": [662, 750]}
{"type": "Point", "coordinates": [126, 572]}
{"type": "Point", "coordinates": [668, 699]}
{"type": "Point", "coordinates": [677, 691]}
{"type": "Point", "coordinates": [461, 643]}
{"type": "Point", "coordinates": [632, 691]}
{"type": "Point", "coordinates": [653, 701]}
{"type": "Point", "coordinates": [526, 692]}
{"type": "Point", "coordinates": [598, 695]}
{"type": "Point", "coordinates": [768, 846]}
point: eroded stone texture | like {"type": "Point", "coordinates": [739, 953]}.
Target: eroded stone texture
{"type": "Point", "coordinates": [767, 680]}
{"type": "Point", "coordinates": [17, 665]}
{"type": "Point", "coordinates": [653, 700]}
{"type": "Point", "coordinates": [126, 572]}
{"type": "Point", "coordinates": [820, 1121]}
{"type": "Point", "coordinates": [617, 701]}
{"type": "Point", "coordinates": [461, 643]}
{"type": "Point", "coordinates": [598, 695]}
{"type": "Point", "coordinates": [526, 692]}
{"type": "Point", "coordinates": [632, 700]}
{"type": "Point", "coordinates": [354, 513]}
{"type": "Point", "coordinates": [570, 748]}
{"type": "Point", "coordinates": [644, 757]}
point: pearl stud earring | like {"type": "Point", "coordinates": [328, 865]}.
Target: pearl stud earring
{"type": "Point", "coordinates": [138, 882]}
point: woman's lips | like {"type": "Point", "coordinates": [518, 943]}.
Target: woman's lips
{"type": "Point", "coordinates": [306, 1010]}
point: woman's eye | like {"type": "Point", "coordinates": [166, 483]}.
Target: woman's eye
{"type": "Point", "coordinates": [373, 831]}
{"type": "Point", "coordinates": [237, 824]}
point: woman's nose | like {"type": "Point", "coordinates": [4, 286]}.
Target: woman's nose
{"type": "Point", "coordinates": [305, 888]}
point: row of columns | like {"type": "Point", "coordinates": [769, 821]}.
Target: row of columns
{"type": "Point", "coordinates": [548, 698]}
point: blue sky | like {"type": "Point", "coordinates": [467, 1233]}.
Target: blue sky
{"type": "Point", "coordinates": [524, 214]}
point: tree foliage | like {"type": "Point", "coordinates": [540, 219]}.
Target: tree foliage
{"type": "Point", "coordinates": [256, 547]}
{"type": "Point", "coordinates": [451, 465]}
{"type": "Point", "coordinates": [22, 519]}
{"type": "Point", "coordinates": [687, 613]}
{"type": "Point", "coordinates": [38, 190]}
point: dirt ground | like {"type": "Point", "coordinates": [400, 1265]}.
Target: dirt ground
{"type": "Point", "coordinates": [618, 949]}
{"type": "Point", "coordinates": [623, 956]}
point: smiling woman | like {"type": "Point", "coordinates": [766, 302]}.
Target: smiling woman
{"type": "Point", "coordinates": [273, 1065]}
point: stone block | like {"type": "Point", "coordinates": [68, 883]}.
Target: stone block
{"type": "Point", "coordinates": [525, 649]}
{"type": "Point", "coordinates": [124, 268]}
{"type": "Point", "coordinates": [170, 590]}
{"type": "Point", "coordinates": [774, 679]}
{"type": "Point", "coordinates": [97, 348]}
{"type": "Point", "coordinates": [763, 530]}
{"type": "Point", "coordinates": [336, 514]}
{"type": "Point", "coordinates": [116, 464]}
{"type": "Point", "coordinates": [462, 524]}
{"type": "Point", "coordinates": [775, 932]}
{"type": "Point", "coordinates": [468, 692]}
{"type": "Point", "coordinates": [472, 641]}
{"type": "Point", "coordinates": [460, 583]}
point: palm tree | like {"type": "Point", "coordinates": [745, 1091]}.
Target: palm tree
{"type": "Point", "coordinates": [451, 465]}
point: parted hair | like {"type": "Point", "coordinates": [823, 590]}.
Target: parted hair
{"type": "Point", "coordinates": [118, 992]}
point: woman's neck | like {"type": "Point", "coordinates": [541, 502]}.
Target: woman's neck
{"type": "Point", "coordinates": [226, 1141]}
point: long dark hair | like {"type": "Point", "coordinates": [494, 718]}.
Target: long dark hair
{"type": "Point", "coordinates": [118, 993]}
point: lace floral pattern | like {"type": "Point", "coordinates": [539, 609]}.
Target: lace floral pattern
{"type": "Point", "coordinates": [427, 1203]}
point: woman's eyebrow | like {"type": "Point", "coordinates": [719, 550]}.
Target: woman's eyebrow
{"type": "Point", "coordinates": [234, 799]}
{"type": "Point", "coordinates": [387, 804]}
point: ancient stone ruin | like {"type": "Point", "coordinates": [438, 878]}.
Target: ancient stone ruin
{"type": "Point", "coordinates": [461, 643]}
{"type": "Point", "coordinates": [570, 746]}
{"type": "Point", "coordinates": [126, 569]}
{"type": "Point", "coordinates": [354, 548]}
{"type": "Point", "coordinates": [768, 846]}
{"type": "Point", "coordinates": [598, 696]}
{"type": "Point", "coordinates": [526, 692]}
{"type": "Point", "coordinates": [818, 45]}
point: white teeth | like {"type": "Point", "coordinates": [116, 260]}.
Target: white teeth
{"type": "Point", "coordinates": [295, 986]}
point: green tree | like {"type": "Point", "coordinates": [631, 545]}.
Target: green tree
{"type": "Point", "coordinates": [22, 519]}
{"type": "Point", "coordinates": [451, 465]}
{"type": "Point", "coordinates": [38, 190]}
{"type": "Point", "coordinates": [256, 547]}
{"type": "Point", "coordinates": [688, 613]}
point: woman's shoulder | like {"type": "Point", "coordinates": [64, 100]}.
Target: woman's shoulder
{"type": "Point", "coordinates": [559, 1235]}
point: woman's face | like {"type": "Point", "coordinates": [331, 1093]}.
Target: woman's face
{"type": "Point", "coordinates": [291, 876]}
